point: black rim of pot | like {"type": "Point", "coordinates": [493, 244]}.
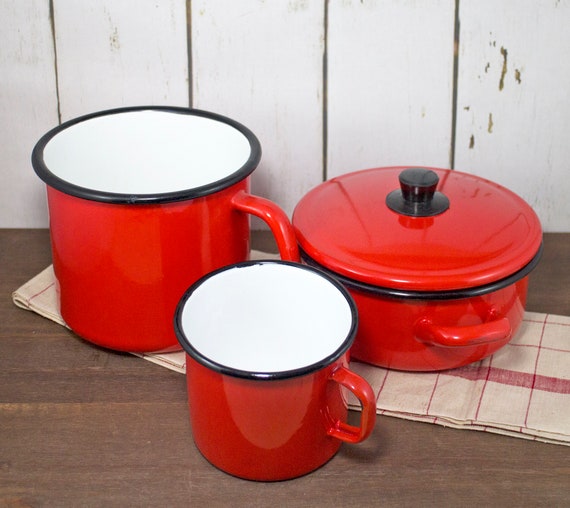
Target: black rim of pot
{"type": "Point", "coordinates": [71, 189]}
{"type": "Point", "coordinates": [428, 295]}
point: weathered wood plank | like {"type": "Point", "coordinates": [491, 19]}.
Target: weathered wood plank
{"type": "Point", "coordinates": [112, 54]}
{"type": "Point", "coordinates": [390, 77]}
{"type": "Point", "coordinates": [513, 110]}
{"type": "Point", "coordinates": [261, 64]}
{"type": "Point", "coordinates": [28, 107]}
{"type": "Point", "coordinates": [389, 82]}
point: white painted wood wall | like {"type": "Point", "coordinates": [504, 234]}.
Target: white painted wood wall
{"type": "Point", "coordinates": [328, 86]}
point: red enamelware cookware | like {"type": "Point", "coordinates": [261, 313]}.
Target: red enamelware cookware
{"type": "Point", "coordinates": [143, 201]}
{"type": "Point", "coordinates": [267, 347]}
{"type": "Point", "coordinates": [436, 260]}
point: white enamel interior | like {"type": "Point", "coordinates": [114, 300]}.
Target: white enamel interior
{"type": "Point", "coordinates": [146, 152]}
{"type": "Point", "coordinates": [266, 318]}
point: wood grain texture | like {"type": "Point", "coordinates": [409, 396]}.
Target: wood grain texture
{"type": "Point", "coordinates": [513, 82]}
{"type": "Point", "coordinates": [261, 64]}
{"type": "Point", "coordinates": [328, 87]}
{"type": "Point", "coordinates": [389, 84]}
{"type": "Point", "coordinates": [112, 54]}
{"type": "Point", "coordinates": [83, 426]}
{"type": "Point", "coordinates": [28, 107]}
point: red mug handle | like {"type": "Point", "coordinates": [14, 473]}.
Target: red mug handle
{"type": "Point", "coordinates": [458, 336]}
{"type": "Point", "coordinates": [276, 219]}
{"type": "Point", "coordinates": [363, 391]}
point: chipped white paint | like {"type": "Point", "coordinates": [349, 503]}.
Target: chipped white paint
{"type": "Point", "coordinates": [112, 54]}
{"type": "Point", "coordinates": [390, 83]}
{"type": "Point", "coordinates": [261, 64]}
{"type": "Point", "coordinates": [387, 97]}
{"type": "Point", "coordinates": [28, 107]}
{"type": "Point", "coordinates": [513, 110]}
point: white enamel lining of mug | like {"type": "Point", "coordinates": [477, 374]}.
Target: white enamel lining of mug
{"type": "Point", "coordinates": [266, 317]}
{"type": "Point", "coordinates": [146, 152]}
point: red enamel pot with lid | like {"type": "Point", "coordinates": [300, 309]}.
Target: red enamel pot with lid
{"type": "Point", "coordinates": [144, 201]}
{"type": "Point", "coordinates": [436, 260]}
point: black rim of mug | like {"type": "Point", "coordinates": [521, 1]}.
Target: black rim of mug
{"type": "Point", "coordinates": [265, 376]}
{"type": "Point", "coordinates": [71, 189]}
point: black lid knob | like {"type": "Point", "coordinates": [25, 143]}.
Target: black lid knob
{"type": "Point", "coordinates": [417, 195]}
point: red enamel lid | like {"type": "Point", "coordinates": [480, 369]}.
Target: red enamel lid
{"type": "Point", "coordinates": [417, 229]}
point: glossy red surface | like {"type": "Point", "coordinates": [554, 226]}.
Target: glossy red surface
{"type": "Point", "coordinates": [121, 269]}
{"type": "Point", "coordinates": [430, 335]}
{"type": "Point", "coordinates": [271, 430]}
{"type": "Point", "coordinates": [482, 234]}
{"type": "Point", "coordinates": [487, 234]}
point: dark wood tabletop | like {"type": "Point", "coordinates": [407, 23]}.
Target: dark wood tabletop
{"type": "Point", "coordinates": [83, 426]}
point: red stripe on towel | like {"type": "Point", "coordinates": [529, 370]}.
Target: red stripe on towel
{"type": "Point", "coordinates": [40, 292]}
{"type": "Point", "coordinates": [513, 378]}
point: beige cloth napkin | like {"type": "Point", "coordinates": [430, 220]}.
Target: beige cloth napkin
{"type": "Point", "coordinates": [523, 390]}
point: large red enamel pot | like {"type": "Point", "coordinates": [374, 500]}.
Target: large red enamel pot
{"type": "Point", "coordinates": [143, 202]}
{"type": "Point", "coordinates": [436, 260]}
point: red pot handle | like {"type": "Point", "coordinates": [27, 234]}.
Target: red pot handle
{"type": "Point", "coordinates": [365, 394]}
{"type": "Point", "coordinates": [458, 336]}
{"type": "Point", "coordinates": [275, 217]}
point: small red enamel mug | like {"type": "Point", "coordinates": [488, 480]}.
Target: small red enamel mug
{"type": "Point", "coordinates": [144, 201]}
{"type": "Point", "coordinates": [267, 349]}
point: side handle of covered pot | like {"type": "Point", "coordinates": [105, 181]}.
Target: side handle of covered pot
{"type": "Point", "coordinates": [459, 336]}
{"type": "Point", "coordinates": [275, 218]}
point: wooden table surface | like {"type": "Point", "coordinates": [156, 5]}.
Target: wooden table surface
{"type": "Point", "coordinates": [83, 426]}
